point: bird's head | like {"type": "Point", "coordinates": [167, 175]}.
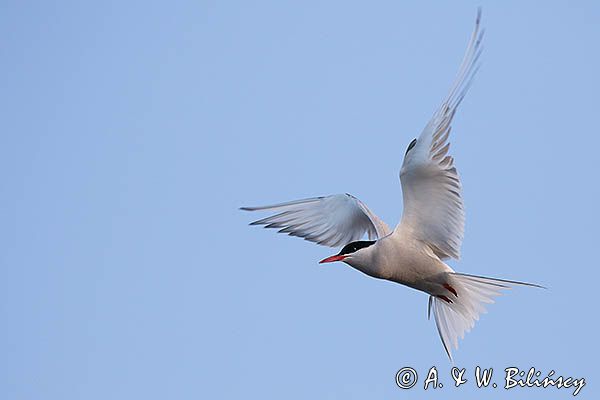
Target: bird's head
{"type": "Point", "coordinates": [356, 254]}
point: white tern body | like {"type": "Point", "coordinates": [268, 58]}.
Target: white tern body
{"type": "Point", "coordinates": [430, 231]}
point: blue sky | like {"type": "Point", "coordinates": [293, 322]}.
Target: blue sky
{"type": "Point", "coordinates": [133, 131]}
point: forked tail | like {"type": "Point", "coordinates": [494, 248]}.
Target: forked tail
{"type": "Point", "coordinates": [456, 313]}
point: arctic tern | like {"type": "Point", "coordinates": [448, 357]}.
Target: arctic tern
{"type": "Point", "coordinates": [430, 230]}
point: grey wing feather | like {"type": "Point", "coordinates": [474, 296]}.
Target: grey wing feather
{"type": "Point", "coordinates": [431, 188]}
{"type": "Point", "coordinates": [331, 221]}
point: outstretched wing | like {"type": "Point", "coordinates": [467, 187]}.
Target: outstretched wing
{"type": "Point", "coordinates": [331, 221]}
{"type": "Point", "coordinates": [431, 188]}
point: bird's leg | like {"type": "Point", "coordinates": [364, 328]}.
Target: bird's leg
{"type": "Point", "coordinates": [441, 296]}
{"type": "Point", "coordinates": [451, 289]}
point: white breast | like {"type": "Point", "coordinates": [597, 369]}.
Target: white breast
{"type": "Point", "coordinates": [402, 259]}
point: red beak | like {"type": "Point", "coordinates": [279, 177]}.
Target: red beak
{"type": "Point", "coordinates": [333, 259]}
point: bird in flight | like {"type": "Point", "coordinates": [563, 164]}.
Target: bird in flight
{"type": "Point", "coordinates": [429, 232]}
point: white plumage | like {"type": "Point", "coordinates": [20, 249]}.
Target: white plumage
{"type": "Point", "coordinates": [431, 228]}
{"type": "Point", "coordinates": [330, 220]}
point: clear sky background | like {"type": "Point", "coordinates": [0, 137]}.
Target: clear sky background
{"type": "Point", "coordinates": [131, 132]}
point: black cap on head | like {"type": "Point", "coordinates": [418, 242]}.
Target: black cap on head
{"type": "Point", "coordinates": [355, 246]}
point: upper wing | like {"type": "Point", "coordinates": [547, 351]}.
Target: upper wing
{"type": "Point", "coordinates": [433, 206]}
{"type": "Point", "coordinates": [331, 221]}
